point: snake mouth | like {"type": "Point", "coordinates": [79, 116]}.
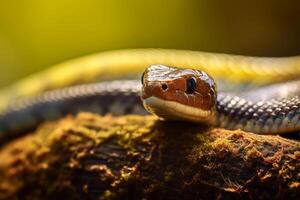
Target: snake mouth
{"type": "Point", "coordinates": [175, 111]}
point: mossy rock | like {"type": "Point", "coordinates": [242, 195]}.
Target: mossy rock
{"type": "Point", "coordinates": [141, 157]}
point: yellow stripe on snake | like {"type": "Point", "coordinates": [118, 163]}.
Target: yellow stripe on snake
{"type": "Point", "coordinates": [119, 63]}
{"type": "Point", "coordinates": [167, 91]}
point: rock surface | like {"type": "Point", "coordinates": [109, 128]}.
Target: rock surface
{"type": "Point", "coordinates": [135, 157]}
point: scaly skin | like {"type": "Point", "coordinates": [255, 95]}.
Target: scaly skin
{"type": "Point", "coordinates": [123, 97]}
{"type": "Point", "coordinates": [115, 64]}
{"type": "Point", "coordinates": [18, 115]}
{"type": "Point", "coordinates": [191, 95]}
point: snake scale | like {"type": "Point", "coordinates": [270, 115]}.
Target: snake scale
{"type": "Point", "coordinates": [64, 89]}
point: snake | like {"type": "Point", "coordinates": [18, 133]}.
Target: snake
{"type": "Point", "coordinates": [175, 85]}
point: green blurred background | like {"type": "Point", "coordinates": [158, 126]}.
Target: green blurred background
{"type": "Point", "coordinates": [35, 34]}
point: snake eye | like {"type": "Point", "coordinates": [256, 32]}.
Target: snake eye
{"type": "Point", "coordinates": [164, 86]}
{"type": "Point", "coordinates": [191, 85]}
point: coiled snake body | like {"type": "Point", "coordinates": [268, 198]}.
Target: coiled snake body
{"type": "Point", "coordinates": [168, 92]}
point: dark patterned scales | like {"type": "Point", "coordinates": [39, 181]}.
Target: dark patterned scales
{"type": "Point", "coordinates": [271, 116]}
{"type": "Point", "coordinates": [116, 97]}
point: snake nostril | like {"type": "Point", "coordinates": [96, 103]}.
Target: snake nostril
{"type": "Point", "coordinates": [164, 86]}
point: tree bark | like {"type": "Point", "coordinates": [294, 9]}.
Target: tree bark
{"type": "Point", "coordinates": [136, 157]}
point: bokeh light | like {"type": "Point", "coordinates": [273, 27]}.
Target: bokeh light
{"type": "Point", "coordinates": [36, 34]}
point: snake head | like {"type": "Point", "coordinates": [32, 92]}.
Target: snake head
{"type": "Point", "coordinates": [179, 94]}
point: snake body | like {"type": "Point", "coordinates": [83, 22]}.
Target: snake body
{"type": "Point", "coordinates": [191, 95]}
{"type": "Point", "coordinates": [123, 63]}
{"type": "Point", "coordinates": [116, 97]}
{"type": "Point", "coordinates": [266, 110]}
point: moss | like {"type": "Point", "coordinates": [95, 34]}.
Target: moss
{"type": "Point", "coordinates": [134, 157]}
{"type": "Point", "coordinates": [222, 144]}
